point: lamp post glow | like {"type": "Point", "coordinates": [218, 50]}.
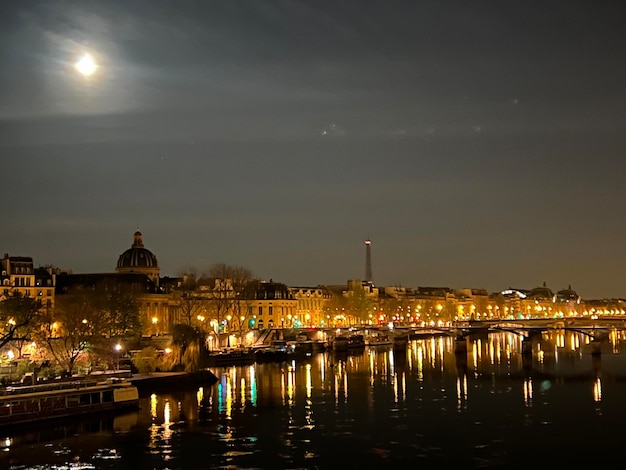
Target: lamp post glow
{"type": "Point", "coordinates": [118, 348]}
{"type": "Point", "coordinates": [241, 320]}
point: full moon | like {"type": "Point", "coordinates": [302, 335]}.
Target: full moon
{"type": "Point", "coordinates": [86, 65]}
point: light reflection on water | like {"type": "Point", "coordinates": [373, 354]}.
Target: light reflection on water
{"type": "Point", "coordinates": [481, 402]}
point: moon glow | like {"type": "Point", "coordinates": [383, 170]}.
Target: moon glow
{"type": "Point", "coordinates": [86, 65]}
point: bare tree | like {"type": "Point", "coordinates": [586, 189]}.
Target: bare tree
{"type": "Point", "coordinates": [336, 308]}
{"type": "Point", "coordinates": [68, 330]}
{"type": "Point", "coordinates": [119, 313]}
{"type": "Point", "coordinates": [226, 296]}
{"type": "Point", "coordinates": [85, 322]}
{"type": "Point", "coordinates": [191, 300]}
{"type": "Point", "coordinates": [19, 316]}
{"type": "Point", "coordinates": [359, 305]}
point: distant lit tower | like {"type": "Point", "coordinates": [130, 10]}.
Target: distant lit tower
{"type": "Point", "coordinates": [368, 261]}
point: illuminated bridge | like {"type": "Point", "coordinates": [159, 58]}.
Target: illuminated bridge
{"type": "Point", "coordinates": [596, 329]}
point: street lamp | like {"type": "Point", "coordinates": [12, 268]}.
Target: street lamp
{"type": "Point", "coordinates": [118, 348]}
{"type": "Point", "coordinates": [242, 318]}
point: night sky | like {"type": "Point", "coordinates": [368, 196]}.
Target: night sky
{"type": "Point", "coordinates": [476, 143]}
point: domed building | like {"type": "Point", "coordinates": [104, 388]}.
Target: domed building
{"type": "Point", "coordinates": [540, 303]}
{"type": "Point", "coordinates": [138, 259]}
{"type": "Point", "coordinates": [568, 295]}
{"type": "Point", "coordinates": [541, 294]}
{"type": "Point", "coordinates": [569, 302]}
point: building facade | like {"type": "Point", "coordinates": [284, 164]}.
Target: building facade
{"type": "Point", "coordinates": [270, 304]}
{"type": "Point", "coordinates": [267, 304]}
{"type": "Point", "coordinates": [17, 276]}
{"type": "Point", "coordinates": [311, 306]}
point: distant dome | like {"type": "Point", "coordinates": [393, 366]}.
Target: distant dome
{"type": "Point", "coordinates": [542, 292]}
{"type": "Point", "coordinates": [566, 295]}
{"type": "Point", "coordinates": [137, 256]}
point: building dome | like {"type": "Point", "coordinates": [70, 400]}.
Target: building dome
{"type": "Point", "coordinates": [138, 259]}
{"type": "Point", "coordinates": [137, 256]}
{"type": "Point", "coordinates": [567, 295]}
{"type": "Point", "coordinates": [541, 293]}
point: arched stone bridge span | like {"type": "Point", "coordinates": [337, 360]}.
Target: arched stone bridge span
{"type": "Point", "coordinates": [596, 329]}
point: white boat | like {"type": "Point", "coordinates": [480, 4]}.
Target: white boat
{"type": "Point", "coordinates": [340, 343]}
{"type": "Point", "coordinates": [231, 356]}
{"type": "Point", "coordinates": [378, 339]}
{"type": "Point", "coordinates": [346, 342]}
{"type": "Point", "coordinates": [306, 347]}
{"type": "Point", "coordinates": [33, 403]}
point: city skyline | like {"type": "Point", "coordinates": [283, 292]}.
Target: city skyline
{"type": "Point", "coordinates": [476, 145]}
{"type": "Point", "coordinates": [367, 278]}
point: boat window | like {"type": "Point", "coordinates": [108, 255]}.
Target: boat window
{"type": "Point", "coordinates": [73, 400]}
{"type": "Point", "coordinates": [32, 406]}
{"type": "Point", "coordinates": [46, 403]}
{"type": "Point", "coordinates": [17, 407]}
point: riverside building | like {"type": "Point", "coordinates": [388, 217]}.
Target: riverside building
{"type": "Point", "coordinates": [165, 301]}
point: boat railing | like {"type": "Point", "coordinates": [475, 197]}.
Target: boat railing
{"type": "Point", "coordinates": [75, 384]}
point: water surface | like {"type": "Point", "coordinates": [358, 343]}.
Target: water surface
{"type": "Point", "coordinates": [428, 406]}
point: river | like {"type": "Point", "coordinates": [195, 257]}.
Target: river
{"type": "Point", "coordinates": [492, 406]}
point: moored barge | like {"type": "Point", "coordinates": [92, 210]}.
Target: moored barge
{"type": "Point", "coordinates": [33, 403]}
